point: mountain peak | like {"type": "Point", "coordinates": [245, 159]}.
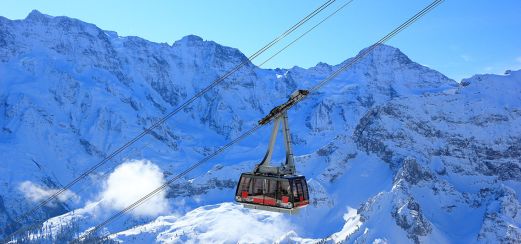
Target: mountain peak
{"type": "Point", "coordinates": [384, 53]}
{"type": "Point", "coordinates": [383, 49]}
{"type": "Point", "coordinates": [36, 15]}
{"type": "Point", "coordinates": [220, 51]}
{"type": "Point", "coordinates": [322, 65]}
{"type": "Point", "coordinates": [191, 39]}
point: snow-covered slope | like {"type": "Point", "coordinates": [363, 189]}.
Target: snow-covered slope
{"type": "Point", "coordinates": [393, 151]}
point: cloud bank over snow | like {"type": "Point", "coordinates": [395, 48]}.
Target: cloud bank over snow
{"type": "Point", "coordinates": [132, 180]}
{"type": "Point", "coordinates": [221, 223]}
{"type": "Point", "coordinates": [38, 193]}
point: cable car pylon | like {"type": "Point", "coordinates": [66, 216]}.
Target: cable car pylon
{"type": "Point", "coordinates": [275, 188]}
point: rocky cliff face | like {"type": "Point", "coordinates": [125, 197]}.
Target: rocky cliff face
{"type": "Point", "coordinates": [393, 151]}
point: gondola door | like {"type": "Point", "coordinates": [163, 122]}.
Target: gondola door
{"type": "Point", "coordinates": [270, 192]}
{"type": "Point", "coordinates": [300, 192]}
{"type": "Point", "coordinates": [258, 190]}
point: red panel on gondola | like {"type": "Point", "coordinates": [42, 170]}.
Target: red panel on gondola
{"type": "Point", "coordinates": [258, 200]}
{"type": "Point", "coordinates": [244, 194]}
{"type": "Point", "coordinates": [270, 202]}
{"type": "Point", "coordinates": [285, 199]}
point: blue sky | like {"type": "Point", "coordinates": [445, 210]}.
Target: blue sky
{"type": "Point", "coordinates": [459, 38]}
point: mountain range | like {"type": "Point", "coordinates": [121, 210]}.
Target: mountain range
{"type": "Point", "coordinates": [394, 151]}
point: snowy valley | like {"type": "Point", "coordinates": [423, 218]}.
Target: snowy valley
{"type": "Point", "coordinates": [394, 152]}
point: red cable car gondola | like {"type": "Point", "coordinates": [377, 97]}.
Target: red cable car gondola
{"type": "Point", "coordinates": [275, 188]}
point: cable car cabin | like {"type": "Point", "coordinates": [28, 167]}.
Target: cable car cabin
{"type": "Point", "coordinates": [275, 188]}
{"type": "Point", "coordinates": [274, 193]}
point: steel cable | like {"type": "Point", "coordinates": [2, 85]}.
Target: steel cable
{"type": "Point", "coordinates": [169, 115]}
{"type": "Point", "coordinates": [249, 132]}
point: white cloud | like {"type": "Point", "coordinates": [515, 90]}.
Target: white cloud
{"type": "Point", "coordinates": [38, 193]}
{"type": "Point", "coordinates": [132, 180]}
{"type": "Point", "coordinates": [222, 223]}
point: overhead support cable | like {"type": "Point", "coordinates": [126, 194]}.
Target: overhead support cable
{"type": "Point", "coordinates": [344, 67]}
{"type": "Point", "coordinates": [158, 123]}
{"type": "Point", "coordinates": [308, 31]}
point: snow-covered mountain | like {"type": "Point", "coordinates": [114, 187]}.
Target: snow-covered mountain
{"type": "Point", "coordinates": [393, 151]}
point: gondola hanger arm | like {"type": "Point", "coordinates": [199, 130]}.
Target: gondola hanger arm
{"type": "Point", "coordinates": [278, 111]}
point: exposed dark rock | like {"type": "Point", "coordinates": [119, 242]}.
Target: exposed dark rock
{"type": "Point", "coordinates": [412, 172]}
{"type": "Point", "coordinates": [410, 218]}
